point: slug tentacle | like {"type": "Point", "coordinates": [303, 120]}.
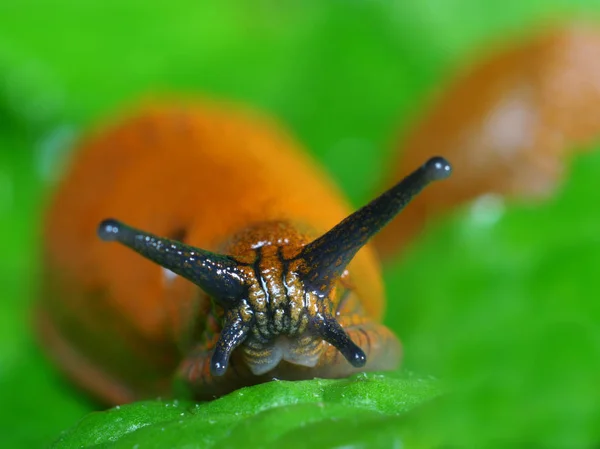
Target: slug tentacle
{"type": "Point", "coordinates": [332, 332]}
{"type": "Point", "coordinates": [326, 258]}
{"type": "Point", "coordinates": [216, 274]}
{"type": "Point", "coordinates": [233, 334]}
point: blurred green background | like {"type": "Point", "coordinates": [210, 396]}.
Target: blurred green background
{"type": "Point", "coordinates": [505, 311]}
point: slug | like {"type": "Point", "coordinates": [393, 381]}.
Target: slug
{"type": "Point", "coordinates": [199, 247]}
{"type": "Point", "coordinates": [510, 120]}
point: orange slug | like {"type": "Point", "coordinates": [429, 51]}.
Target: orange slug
{"type": "Point", "coordinates": [235, 260]}
{"type": "Point", "coordinates": [508, 121]}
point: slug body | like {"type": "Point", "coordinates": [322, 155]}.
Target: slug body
{"type": "Point", "coordinates": [257, 270]}
{"type": "Point", "coordinates": [510, 121]}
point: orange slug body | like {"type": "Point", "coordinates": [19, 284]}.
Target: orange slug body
{"type": "Point", "coordinates": [123, 327]}
{"type": "Point", "coordinates": [509, 121]}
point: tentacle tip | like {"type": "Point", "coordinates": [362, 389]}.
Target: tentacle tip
{"type": "Point", "coordinates": [217, 368]}
{"type": "Point", "coordinates": [358, 359]}
{"type": "Point", "coordinates": [109, 229]}
{"type": "Point", "coordinates": [437, 168]}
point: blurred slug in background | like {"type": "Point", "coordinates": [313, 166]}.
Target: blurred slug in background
{"type": "Point", "coordinates": [507, 123]}
{"type": "Point", "coordinates": [284, 283]}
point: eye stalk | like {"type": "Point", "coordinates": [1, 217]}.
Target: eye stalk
{"type": "Point", "coordinates": [435, 169]}
{"type": "Point", "coordinates": [326, 258]}
{"type": "Point", "coordinates": [218, 275]}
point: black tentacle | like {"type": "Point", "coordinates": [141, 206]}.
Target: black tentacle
{"type": "Point", "coordinates": [233, 334]}
{"type": "Point", "coordinates": [332, 332]}
{"type": "Point", "coordinates": [326, 258]}
{"type": "Point", "coordinates": [216, 274]}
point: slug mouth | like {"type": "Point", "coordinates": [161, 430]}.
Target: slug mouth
{"type": "Point", "coordinates": [304, 351]}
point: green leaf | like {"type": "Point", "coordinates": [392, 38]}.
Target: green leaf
{"type": "Point", "coordinates": [259, 416]}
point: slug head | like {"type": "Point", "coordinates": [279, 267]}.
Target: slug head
{"type": "Point", "coordinates": [277, 299]}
